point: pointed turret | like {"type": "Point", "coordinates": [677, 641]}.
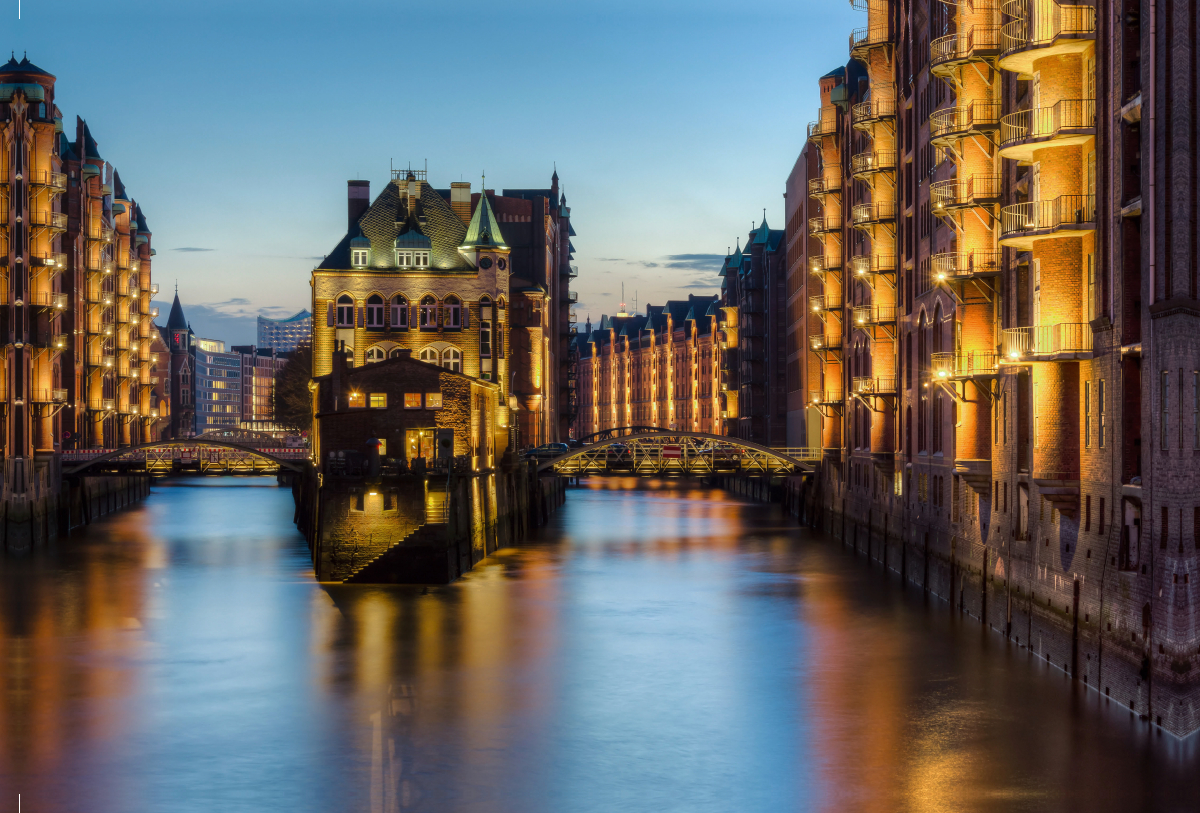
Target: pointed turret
{"type": "Point", "coordinates": [764, 231]}
{"type": "Point", "coordinates": [484, 229]}
{"type": "Point", "coordinates": [177, 321]}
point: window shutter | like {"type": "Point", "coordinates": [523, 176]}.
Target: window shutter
{"type": "Point", "coordinates": [330, 316]}
{"type": "Point", "coordinates": [362, 316]}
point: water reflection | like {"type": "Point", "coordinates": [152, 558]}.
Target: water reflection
{"type": "Point", "coordinates": [660, 647]}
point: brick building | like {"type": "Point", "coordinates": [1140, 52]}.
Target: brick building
{"type": "Point", "coordinates": [477, 283]}
{"type": "Point", "coordinates": [1004, 366]}
{"type": "Point", "coordinates": [76, 255]}
{"type": "Point", "coordinates": [803, 419]}
{"type": "Point", "coordinates": [663, 369]}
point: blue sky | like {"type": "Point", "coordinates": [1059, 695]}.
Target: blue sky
{"type": "Point", "coordinates": [236, 124]}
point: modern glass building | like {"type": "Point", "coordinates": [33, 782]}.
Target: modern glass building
{"type": "Point", "coordinates": [284, 335]}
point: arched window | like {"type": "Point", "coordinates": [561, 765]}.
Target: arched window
{"type": "Point", "coordinates": [430, 355]}
{"type": "Point", "coordinates": [452, 359]}
{"type": "Point", "coordinates": [485, 338]}
{"type": "Point", "coordinates": [396, 353]}
{"type": "Point", "coordinates": [399, 312]}
{"type": "Point", "coordinates": [375, 354]}
{"type": "Point", "coordinates": [345, 311]}
{"type": "Point", "coordinates": [375, 312]}
{"type": "Point", "coordinates": [428, 313]}
{"type": "Point", "coordinates": [452, 313]}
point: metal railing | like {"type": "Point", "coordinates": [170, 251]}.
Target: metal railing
{"type": "Point", "coordinates": [1040, 340]}
{"type": "Point", "coordinates": [872, 110]}
{"type": "Point", "coordinates": [825, 396]}
{"type": "Point", "coordinates": [51, 260]}
{"type": "Point", "coordinates": [978, 42]}
{"type": "Point", "coordinates": [102, 358]}
{"type": "Point", "coordinates": [1045, 123]}
{"type": "Point", "coordinates": [823, 263]}
{"type": "Point", "coordinates": [823, 303]}
{"type": "Point", "coordinates": [1047, 215]}
{"type": "Point", "coordinates": [963, 364]}
{"type": "Point", "coordinates": [874, 314]}
{"type": "Point", "coordinates": [869, 37]}
{"type": "Point", "coordinates": [821, 225]}
{"type": "Point", "coordinates": [820, 341]}
{"type": "Point", "coordinates": [964, 119]}
{"type": "Point", "coordinates": [947, 266]}
{"type": "Point", "coordinates": [953, 194]}
{"type": "Point", "coordinates": [153, 289]}
{"type": "Point", "coordinates": [47, 300]}
{"type": "Point", "coordinates": [1039, 23]}
{"type": "Point", "coordinates": [867, 213]}
{"type": "Point", "coordinates": [54, 180]}
{"type": "Point", "coordinates": [98, 296]}
{"type": "Point", "coordinates": [826, 123]}
{"type": "Point", "coordinates": [104, 234]}
{"type": "Point", "coordinates": [829, 182]}
{"type": "Point", "coordinates": [100, 264]}
{"type": "Point", "coordinates": [102, 404]}
{"type": "Point", "coordinates": [866, 163]}
{"type": "Point", "coordinates": [55, 396]}
{"type": "Point", "coordinates": [873, 264]}
{"type": "Point", "coordinates": [877, 385]}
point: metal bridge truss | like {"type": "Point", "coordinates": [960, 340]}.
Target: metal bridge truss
{"type": "Point", "coordinates": [188, 454]}
{"type": "Point", "coordinates": [680, 453]}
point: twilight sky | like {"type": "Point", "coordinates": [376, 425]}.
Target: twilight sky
{"type": "Point", "coordinates": [235, 125]}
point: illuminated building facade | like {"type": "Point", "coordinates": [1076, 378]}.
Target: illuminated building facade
{"type": "Point", "coordinates": [664, 368]}
{"type": "Point", "coordinates": [1004, 363]}
{"type": "Point", "coordinates": [260, 367]}
{"type": "Point", "coordinates": [285, 335]}
{"type": "Point", "coordinates": [76, 318]}
{"type": "Point", "coordinates": [476, 283]}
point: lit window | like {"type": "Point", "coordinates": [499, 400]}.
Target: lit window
{"type": "Point", "coordinates": [345, 311]}
{"type": "Point", "coordinates": [428, 313]}
{"type": "Point", "coordinates": [452, 311]}
{"type": "Point", "coordinates": [379, 400]}
{"type": "Point", "coordinates": [359, 257]}
{"type": "Point", "coordinates": [430, 355]}
{"type": "Point", "coordinates": [375, 311]}
{"type": "Point", "coordinates": [396, 353]}
{"type": "Point", "coordinates": [485, 339]}
{"type": "Point", "coordinates": [356, 400]}
{"type": "Point", "coordinates": [375, 354]}
{"type": "Point", "coordinates": [399, 312]}
{"type": "Point", "coordinates": [412, 400]}
{"type": "Point", "coordinates": [433, 400]}
{"type": "Point", "coordinates": [452, 359]}
{"type": "Point", "coordinates": [420, 259]}
{"type": "Point", "coordinates": [404, 259]}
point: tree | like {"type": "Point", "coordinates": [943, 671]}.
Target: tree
{"type": "Point", "coordinates": [293, 401]}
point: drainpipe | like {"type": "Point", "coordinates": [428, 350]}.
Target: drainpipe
{"type": "Point", "coordinates": [1151, 137]}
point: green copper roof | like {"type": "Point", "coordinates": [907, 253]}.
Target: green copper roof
{"type": "Point", "coordinates": [484, 231]}
{"type": "Point", "coordinates": [763, 231]}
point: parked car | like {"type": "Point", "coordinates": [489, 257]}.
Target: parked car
{"type": "Point", "coordinates": [547, 451]}
{"type": "Point", "coordinates": [617, 451]}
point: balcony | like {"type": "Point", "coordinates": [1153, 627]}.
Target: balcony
{"type": "Point", "coordinates": [952, 123]}
{"type": "Point", "coordinates": [101, 234]}
{"type": "Point", "coordinates": [870, 214]}
{"type": "Point", "coordinates": [963, 266]}
{"type": "Point", "coordinates": [820, 342]}
{"type": "Point", "coordinates": [1022, 224]}
{"type": "Point", "coordinates": [54, 181]}
{"type": "Point", "coordinates": [52, 301]}
{"type": "Point", "coordinates": [948, 53]}
{"type": "Point", "coordinates": [102, 404]}
{"type": "Point", "coordinates": [818, 226]}
{"type": "Point", "coordinates": [864, 114]}
{"type": "Point", "coordinates": [866, 164]}
{"type": "Point", "coordinates": [154, 313]}
{"type": "Point", "coordinates": [864, 40]}
{"type": "Point", "coordinates": [54, 221]}
{"type": "Point", "coordinates": [51, 260]}
{"type": "Point", "coordinates": [56, 396]}
{"type": "Point", "coordinates": [99, 297]}
{"type": "Point", "coordinates": [824, 304]}
{"type": "Point", "coordinates": [829, 182]}
{"type": "Point", "coordinates": [1067, 340]}
{"type": "Point", "coordinates": [825, 396]}
{"type": "Point", "coordinates": [880, 385]}
{"type": "Point", "coordinates": [954, 195]}
{"type": "Point", "coordinates": [153, 289]}
{"type": "Point", "coordinates": [819, 266]}
{"type": "Point", "coordinates": [964, 364]}
{"type": "Point", "coordinates": [874, 315]}
{"type": "Point", "coordinates": [102, 358]}
{"type": "Point", "coordinates": [1042, 28]}
{"type": "Point", "coordinates": [1067, 123]}
{"type": "Point", "coordinates": [873, 264]}
{"type": "Point", "coordinates": [826, 123]}
{"type": "Point", "coordinates": [99, 265]}
{"type": "Point", "coordinates": [53, 341]}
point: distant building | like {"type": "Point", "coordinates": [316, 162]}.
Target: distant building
{"type": "Point", "coordinates": [284, 335]}
{"type": "Point", "coordinates": [260, 367]}
{"type": "Point", "coordinates": [182, 346]}
{"type": "Point", "coordinates": [218, 386]}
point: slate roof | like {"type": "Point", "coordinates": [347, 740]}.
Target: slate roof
{"type": "Point", "coordinates": [90, 150]}
{"type": "Point", "coordinates": [484, 230]}
{"type": "Point", "coordinates": [387, 217]}
{"type": "Point", "coordinates": [24, 66]}
{"type": "Point", "coordinates": [176, 320]}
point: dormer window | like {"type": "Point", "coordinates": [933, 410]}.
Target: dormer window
{"type": "Point", "coordinates": [360, 257]}
{"type": "Point", "coordinates": [412, 258]}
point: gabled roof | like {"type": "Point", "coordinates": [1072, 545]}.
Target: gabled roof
{"type": "Point", "coordinates": [762, 232]}
{"type": "Point", "coordinates": [119, 192]}
{"type": "Point", "coordinates": [412, 236]}
{"type": "Point", "coordinates": [484, 230]}
{"type": "Point", "coordinates": [90, 150]}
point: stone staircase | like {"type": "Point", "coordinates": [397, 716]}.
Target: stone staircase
{"type": "Point", "coordinates": [422, 557]}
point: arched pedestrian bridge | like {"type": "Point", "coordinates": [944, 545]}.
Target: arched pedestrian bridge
{"type": "Point", "coordinates": [664, 452]}
{"type": "Point", "coordinates": [211, 453]}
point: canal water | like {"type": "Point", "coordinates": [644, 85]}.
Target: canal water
{"type": "Point", "coordinates": [660, 646]}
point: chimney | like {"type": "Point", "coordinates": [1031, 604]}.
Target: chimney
{"type": "Point", "coordinates": [358, 199]}
{"type": "Point", "coordinates": [460, 200]}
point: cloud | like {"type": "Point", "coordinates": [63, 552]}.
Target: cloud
{"type": "Point", "coordinates": [700, 263]}
{"type": "Point", "coordinates": [712, 282]}
{"type": "Point", "coordinates": [192, 248]}
{"type": "Point", "coordinates": [610, 259]}
{"type": "Point", "coordinates": [233, 320]}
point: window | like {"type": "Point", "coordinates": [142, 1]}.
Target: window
{"type": "Point", "coordinates": [430, 355]}
{"type": "Point", "coordinates": [1165, 528]}
{"type": "Point", "coordinates": [359, 257]}
{"type": "Point", "coordinates": [1037, 415]}
{"type": "Point", "coordinates": [421, 259]}
{"type": "Point", "coordinates": [429, 313]}
{"type": "Point", "coordinates": [1100, 410]}
{"type": "Point", "coordinates": [1089, 307]}
{"type": "Point", "coordinates": [399, 312]}
{"type": "Point", "coordinates": [345, 311]}
{"type": "Point", "coordinates": [1087, 414]}
{"type": "Point", "coordinates": [485, 339]}
{"type": "Point", "coordinates": [375, 354]}
{"type": "Point", "coordinates": [375, 311]}
{"type": "Point", "coordinates": [1164, 392]}
{"type": "Point", "coordinates": [412, 400]}
{"type": "Point", "coordinates": [404, 258]}
{"type": "Point", "coordinates": [357, 401]}
{"type": "Point", "coordinates": [452, 317]}
{"type": "Point", "coordinates": [452, 359]}
{"type": "Point", "coordinates": [396, 353]}
{"type": "Point", "coordinates": [378, 400]}
{"type": "Point", "coordinates": [1195, 409]}
{"type": "Point", "coordinates": [433, 400]}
